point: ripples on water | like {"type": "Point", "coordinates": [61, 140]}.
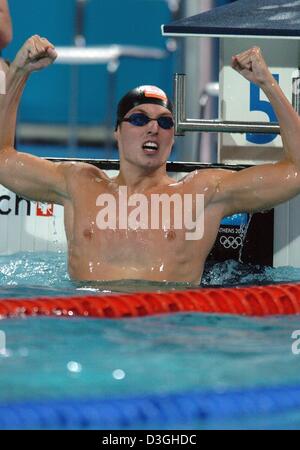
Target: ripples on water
{"type": "Point", "coordinates": [47, 273]}
{"type": "Point", "coordinates": [61, 358]}
{"type": "Point", "coordinates": [48, 357]}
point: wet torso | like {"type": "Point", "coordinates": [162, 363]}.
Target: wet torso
{"type": "Point", "coordinates": [129, 252]}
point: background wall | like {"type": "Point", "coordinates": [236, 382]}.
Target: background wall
{"type": "Point", "coordinates": [49, 94]}
{"type": "Point", "coordinates": [127, 22]}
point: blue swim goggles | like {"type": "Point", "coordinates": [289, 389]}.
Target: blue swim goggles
{"type": "Point", "coordinates": [141, 119]}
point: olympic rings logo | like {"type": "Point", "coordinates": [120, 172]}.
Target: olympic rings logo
{"type": "Point", "coordinates": [231, 242]}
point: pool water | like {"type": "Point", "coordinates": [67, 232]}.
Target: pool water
{"type": "Point", "coordinates": [30, 274]}
{"type": "Point", "coordinates": [48, 357]}
{"type": "Point", "coordinates": [51, 358]}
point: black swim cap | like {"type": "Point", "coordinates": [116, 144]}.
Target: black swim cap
{"type": "Point", "coordinates": [140, 95]}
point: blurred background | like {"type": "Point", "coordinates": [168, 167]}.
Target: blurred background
{"type": "Point", "coordinates": [69, 109]}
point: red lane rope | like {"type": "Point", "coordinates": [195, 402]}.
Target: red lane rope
{"type": "Point", "coordinates": [249, 301]}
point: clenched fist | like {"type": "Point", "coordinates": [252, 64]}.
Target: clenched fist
{"type": "Point", "coordinates": [35, 54]}
{"type": "Point", "coordinates": [252, 66]}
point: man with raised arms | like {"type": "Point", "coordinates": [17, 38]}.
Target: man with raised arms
{"type": "Point", "coordinates": [123, 243]}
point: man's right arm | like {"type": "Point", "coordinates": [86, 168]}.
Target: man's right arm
{"type": "Point", "coordinates": [29, 176]}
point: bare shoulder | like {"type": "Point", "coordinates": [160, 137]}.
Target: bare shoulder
{"type": "Point", "coordinates": [207, 178]}
{"type": "Point", "coordinates": [80, 169]}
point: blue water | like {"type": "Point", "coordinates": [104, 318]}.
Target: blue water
{"type": "Point", "coordinates": [50, 358]}
{"type": "Point", "coordinates": [29, 274]}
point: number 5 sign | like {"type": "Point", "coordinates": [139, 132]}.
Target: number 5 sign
{"type": "Point", "coordinates": [243, 101]}
{"type": "Point", "coordinates": [259, 105]}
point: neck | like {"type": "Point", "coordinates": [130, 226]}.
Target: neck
{"type": "Point", "coordinates": [138, 179]}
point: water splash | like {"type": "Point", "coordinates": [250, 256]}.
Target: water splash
{"type": "Point", "coordinates": [46, 273]}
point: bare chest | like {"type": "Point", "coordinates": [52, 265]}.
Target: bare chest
{"type": "Point", "coordinates": [130, 226]}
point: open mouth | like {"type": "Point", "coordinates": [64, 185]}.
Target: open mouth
{"type": "Point", "coordinates": [150, 147]}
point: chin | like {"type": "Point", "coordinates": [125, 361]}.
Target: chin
{"type": "Point", "coordinates": [153, 163]}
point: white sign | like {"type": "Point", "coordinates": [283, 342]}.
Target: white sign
{"type": "Point", "coordinates": [29, 226]}
{"type": "Point", "coordinates": [242, 101]}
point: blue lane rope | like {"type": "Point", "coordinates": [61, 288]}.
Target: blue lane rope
{"type": "Point", "coordinates": [150, 411]}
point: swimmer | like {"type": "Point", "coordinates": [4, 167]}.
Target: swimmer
{"type": "Point", "coordinates": [145, 136]}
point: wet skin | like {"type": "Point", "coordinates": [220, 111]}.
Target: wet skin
{"type": "Point", "coordinates": [163, 254]}
{"type": "Point", "coordinates": [153, 254]}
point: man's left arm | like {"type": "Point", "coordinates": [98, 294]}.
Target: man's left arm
{"type": "Point", "coordinates": [266, 185]}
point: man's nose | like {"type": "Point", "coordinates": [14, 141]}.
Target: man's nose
{"type": "Point", "coordinates": [152, 126]}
